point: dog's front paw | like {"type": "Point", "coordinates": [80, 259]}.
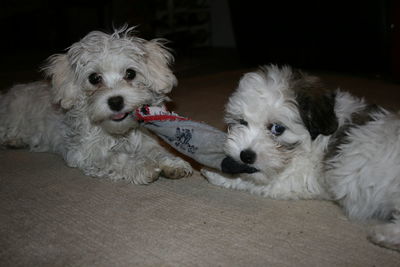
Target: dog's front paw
{"type": "Point", "coordinates": [175, 168]}
{"type": "Point", "coordinates": [220, 179]}
{"type": "Point", "coordinates": [213, 177]}
{"type": "Point", "coordinates": [146, 175]}
{"type": "Point", "coordinates": [386, 235]}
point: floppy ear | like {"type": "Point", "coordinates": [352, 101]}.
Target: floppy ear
{"type": "Point", "coordinates": [316, 107]}
{"type": "Point", "coordinates": [64, 89]}
{"type": "Point", "coordinates": [158, 60]}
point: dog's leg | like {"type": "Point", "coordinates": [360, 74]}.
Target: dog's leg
{"type": "Point", "coordinates": [151, 168]}
{"type": "Point", "coordinates": [175, 168]}
{"type": "Point", "coordinates": [116, 166]}
{"type": "Point", "coordinates": [387, 235]}
{"type": "Point", "coordinates": [219, 180]}
{"type": "Point", "coordinates": [273, 190]}
{"type": "Point", "coordinates": [140, 167]}
{"type": "Point", "coordinates": [142, 173]}
{"type": "Point", "coordinates": [28, 120]}
{"type": "Point", "coordinates": [169, 165]}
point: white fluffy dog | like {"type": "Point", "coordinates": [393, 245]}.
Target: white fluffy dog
{"type": "Point", "coordinates": [83, 113]}
{"type": "Point", "coordinates": [302, 142]}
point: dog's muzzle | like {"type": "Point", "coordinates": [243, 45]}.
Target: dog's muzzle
{"type": "Point", "coordinates": [231, 166]}
{"type": "Point", "coordinates": [116, 104]}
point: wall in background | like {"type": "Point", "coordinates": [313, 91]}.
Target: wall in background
{"type": "Point", "coordinates": [340, 35]}
{"type": "Point", "coordinates": [358, 35]}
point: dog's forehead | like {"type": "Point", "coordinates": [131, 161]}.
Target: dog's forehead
{"type": "Point", "coordinates": [115, 62]}
{"type": "Point", "coordinates": [99, 46]}
{"type": "Point", "coordinates": [100, 41]}
{"type": "Point", "coordinates": [262, 92]}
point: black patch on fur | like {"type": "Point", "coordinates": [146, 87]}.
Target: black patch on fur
{"type": "Point", "coordinates": [357, 119]}
{"type": "Point", "coordinates": [316, 105]}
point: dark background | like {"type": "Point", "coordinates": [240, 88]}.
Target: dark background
{"type": "Point", "coordinates": [207, 35]}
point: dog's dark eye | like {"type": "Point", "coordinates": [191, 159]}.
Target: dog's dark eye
{"type": "Point", "coordinates": [95, 78]}
{"type": "Point", "coordinates": [130, 74]}
{"type": "Point", "coordinates": [276, 129]}
{"type": "Point", "coordinates": [243, 122]}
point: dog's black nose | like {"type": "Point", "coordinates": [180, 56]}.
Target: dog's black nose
{"type": "Point", "coordinates": [116, 103]}
{"type": "Point", "coordinates": [248, 156]}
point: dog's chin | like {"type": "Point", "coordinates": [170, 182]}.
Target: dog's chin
{"type": "Point", "coordinates": [257, 178]}
{"type": "Point", "coordinates": [119, 124]}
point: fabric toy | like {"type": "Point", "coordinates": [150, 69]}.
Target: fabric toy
{"type": "Point", "coordinates": [196, 140]}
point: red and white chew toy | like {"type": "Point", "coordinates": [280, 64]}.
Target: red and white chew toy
{"type": "Point", "coordinates": [156, 113]}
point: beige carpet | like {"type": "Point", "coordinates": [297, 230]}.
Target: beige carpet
{"type": "Point", "coordinates": [52, 215]}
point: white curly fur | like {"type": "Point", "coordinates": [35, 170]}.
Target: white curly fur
{"type": "Point", "coordinates": [354, 162]}
{"type": "Point", "coordinates": [73, 117]}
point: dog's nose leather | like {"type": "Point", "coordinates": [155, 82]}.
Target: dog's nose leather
{"type": "Point", "coordinates": [116, 103]}
{"type": "Point", "coordinates": [248, 156]}
{"type": "Point", "coordinates": [231, 166]}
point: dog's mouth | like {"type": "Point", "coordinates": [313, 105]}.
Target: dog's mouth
{"type": "Point", "coordinates": [231, 166]}
{"type": "Point", "coordinates": [119, 116]}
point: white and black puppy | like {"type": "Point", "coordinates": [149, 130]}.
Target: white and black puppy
{"type": "Point", "coordinates": [83, 113]}
{"type": "Point", "coordinates": [303, 142]}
